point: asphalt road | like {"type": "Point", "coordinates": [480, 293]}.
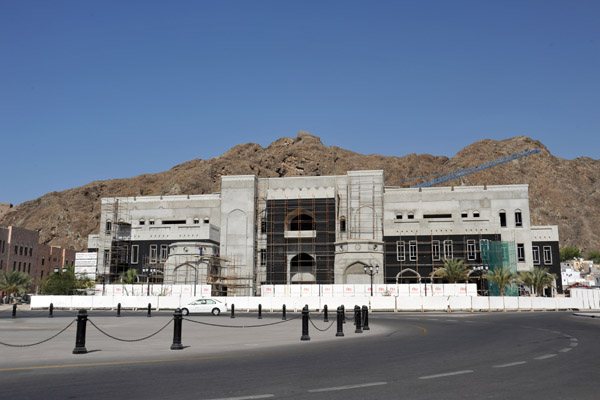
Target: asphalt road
{"type": "Point", "coordinates": [545, 355]}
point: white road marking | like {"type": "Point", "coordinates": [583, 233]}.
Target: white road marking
{"type": "Point", "coordinates": [510, 364]}
{"type": "Point", "coordinates": [565, 350]}
{"type": "Point", "coordinates": [545, 356]}
{"type": "Point", "coordinates": [557, 332]}
{"type": "Point", "coordinates": [361, 385]}
{"type": "Point", "coordinates": [574, 344]}
{"type": "Point", "coordinates": [467, 371]}
{"type": "Point", "coordinates": [573, 339]}
{"type": "Point", "coordinates": [257, 396]}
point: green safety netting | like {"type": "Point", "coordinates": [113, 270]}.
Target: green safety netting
{"type": "Point", "coordinates": [497, 255]}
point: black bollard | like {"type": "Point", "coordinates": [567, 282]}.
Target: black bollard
{"type": "Point", "coordinates": [178, 317]}
{"type": "Point", "coordinates": [343, 314]}
{"type": "Point", "coordinates": [283, 316]}
{"type": "Point", "coordinates": [260, 311]}
{"type": "Point", "coordinates": [325, 317]}
{"type": "Point", "coordinates": [233, 311]}
{"type": "Point", "coordinates": [357, 320]}
{"type": "Point", "coordinates": [119, 310]}
{"type": "Point", "coordinates": [365, 318]}
{"type": "Point", "coordinates": [305, 324]}
{"type": "Point", "coordinates": [51, 311]}
{"type": "Point", "coordinates": [80, 336]}
{"type": "Point", "coordinates": [340, 321]}
{"type": "Point", "coordinates": [149, 310]}
{"type": "Point", "coordinates": [14, 312]}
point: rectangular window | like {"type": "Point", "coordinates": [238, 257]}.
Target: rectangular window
{"type": "Point", "coordinates": [14, 265]}
{"type": "Point", "coordinates": [437, 216]}
{"type": "Point", "coordinates": [536, 255]}
{"type": "Point", "coordinates": [43, 260]}
{"type": "Point", "coordinates": [20, 250]}
{"type": "Point", "coordinates": [106, 258]}
{"type": "Point", "coordinates": [503, 219]}
{"type": "Point", "coordinates": [518, 219]}
{"type": "Point", "coordinates": [174, 222]}
{"type": "Point", "coordinates": [435, 250]}
{"type": "Point", "coordinates": [475, 214]}
{"type": "Point", "coordinates": [108, 227]}
{"type": "Point", "coordinates": [263, 224]}
{"type": "Point", "coordinates": [547, 255]}
{"type": "Point", "coordinates": [398, 216]}
{"type": "Point", "coordinates": [135, 253]}
{"type": "Point", "coordinates": [17, 250]}
{"type": "Point", "coordinates": [164, 252]}
{"type": "Point", "coordinates": [412, 250]}
{"type": "Point", "coordinates": [153, 253]}
{"type": "Point", "coordinates": [448, 250]}
{"type": "Point", "coordinates": [471, 250]}
{"type": "Point", "coordinates": [28, 268]}
{"type": "Point", "coordinates": [263, 257]}
{"type": "Point", "coordinates": [520, 252]}
{"type": "Point", "coordinates": [400, 256]}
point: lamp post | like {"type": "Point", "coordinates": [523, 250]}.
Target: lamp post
{"type": "Point", "coordinates": [369, 271]}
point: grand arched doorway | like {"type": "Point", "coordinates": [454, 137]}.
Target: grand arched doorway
{"type": "Point", "coordinates": [302, 269]}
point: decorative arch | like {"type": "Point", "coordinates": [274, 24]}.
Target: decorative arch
{"type": "Point", "coordinates": [364, 223]}
{"type": "Point", "coordinates": [355, 273]}
{"type": "Point", "coordinates": [408, 275]}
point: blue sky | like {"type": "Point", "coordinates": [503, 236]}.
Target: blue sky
{"type": "Point", "coordinates": [94, 90]}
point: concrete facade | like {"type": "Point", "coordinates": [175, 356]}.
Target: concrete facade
{"type": "Point", "coordinates": [320, 230]}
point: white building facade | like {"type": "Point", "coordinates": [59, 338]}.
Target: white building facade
{"type": "Point", "coordinates": [323, 230]}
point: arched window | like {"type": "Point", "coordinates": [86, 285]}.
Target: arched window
{"type": "Point", "coordinates": [142, 221]}
{"type": "Point", "coordinates": [206, 220]}
{"type": "Point", "coordinates": [302, 222]}
{"type": "Point", "coordinates": [196, 221]}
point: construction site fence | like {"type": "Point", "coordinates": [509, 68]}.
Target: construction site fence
{"type": "Point", "coordinates": [350, 290]}
{"type": "Point", "coordinates": [589, 300]}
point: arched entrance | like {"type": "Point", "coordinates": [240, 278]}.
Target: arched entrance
{"type": "Point", "coordinates": [302, 269]}
{"type": "Point", "coordinates": [355, 274]}
{"type": "Point", "coordinates": [408, 276]}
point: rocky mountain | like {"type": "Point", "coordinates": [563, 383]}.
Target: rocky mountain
{"type": "Point", "coordinates": [562, 192]}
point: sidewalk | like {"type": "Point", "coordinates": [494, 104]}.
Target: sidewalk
{"type": "Point", "coordinates": [588, 314]}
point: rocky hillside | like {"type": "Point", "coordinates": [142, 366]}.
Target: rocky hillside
{"type": "Point", "coordinates": [562, 192]}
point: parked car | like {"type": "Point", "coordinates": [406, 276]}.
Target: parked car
{"type": "Point", "coordinates": [213, 306]}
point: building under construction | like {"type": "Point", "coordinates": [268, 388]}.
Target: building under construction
{"type": "Point", "coordinates": [319, 230]}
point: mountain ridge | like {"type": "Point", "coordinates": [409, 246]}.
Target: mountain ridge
{"type": "Point", "coordinates": [562, 192]}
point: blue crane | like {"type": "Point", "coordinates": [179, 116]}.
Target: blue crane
{"type": "Point", "coordinates": [441, 178]}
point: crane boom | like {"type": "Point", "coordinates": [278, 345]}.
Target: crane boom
{"type": "Point", "coordinates": [470, 170]}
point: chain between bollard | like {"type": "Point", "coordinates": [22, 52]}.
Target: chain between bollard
{"type": "Point", "coordinates": [317, 328]}
{"type": "Point", "coordinates": [129, 340]}
{"type": "Point", "coordinates": [43, 341]}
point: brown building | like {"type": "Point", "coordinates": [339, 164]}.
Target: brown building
{"type": "Point", "coordinates": [20, 250]}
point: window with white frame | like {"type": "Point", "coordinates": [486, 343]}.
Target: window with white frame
{"type": "Point", "coordinates": [153, 253]}
{"type": "Point", "coordinates": [520, 252]}
{"type": "Point", "coordinates": [135, 254]}
{"type": "Point", "coordinates": [435, 250]}
{"type": "Point", "coordinates": [518, 219]}
{"type": "Point", "coordinates": [400, 256]}
{"type": "Point", "coordinates": [471, 250]}
{"type": "Point", "coordinates": [164, 252]}
{"type": "Point", "coordinates": [536, 254]}
{"type": "Point", "coordinates": [448, 249]}
{"type": "Point", "coordinates": [412, 250]}
{"type": "Point", "coordinates": [547, 255]}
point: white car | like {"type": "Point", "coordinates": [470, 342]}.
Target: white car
{"type": "Point", "coordinates": [213, 306]}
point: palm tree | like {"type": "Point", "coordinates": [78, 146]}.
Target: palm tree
{"type": "Point", "coordinates": [502, 277]}
{"type": "Point", "coordinates": [127, 278]}
{"type": "Point", "coordinates": [538, 278]}
{"type": "Point", "coordinates": [14, 282]}
{"type": "Point", "coordinates": [526, 278]}
{"type": "Point", "coordinates": [453, 271]}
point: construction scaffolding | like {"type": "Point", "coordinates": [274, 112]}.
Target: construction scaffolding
{"type": "Point", "coordinates": [295, 240]}
{"type": "Point", "coordinates": [115, 236]}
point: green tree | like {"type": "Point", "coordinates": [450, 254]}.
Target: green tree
{"type": "Point", "coordinates": [453, 271]}
{"type": "Point", "coordinates": [14, 283]}
{"type": "Point", "coordinates": [502, 277]}
{"type": "Point", "coordinates": [569, 253]}
{"type": "Point", "coordinates": [538, 278]}
{"type": "Point", "coordinates": [65, 282]}
{"type": "Point", "coordinates": [594, 255]}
